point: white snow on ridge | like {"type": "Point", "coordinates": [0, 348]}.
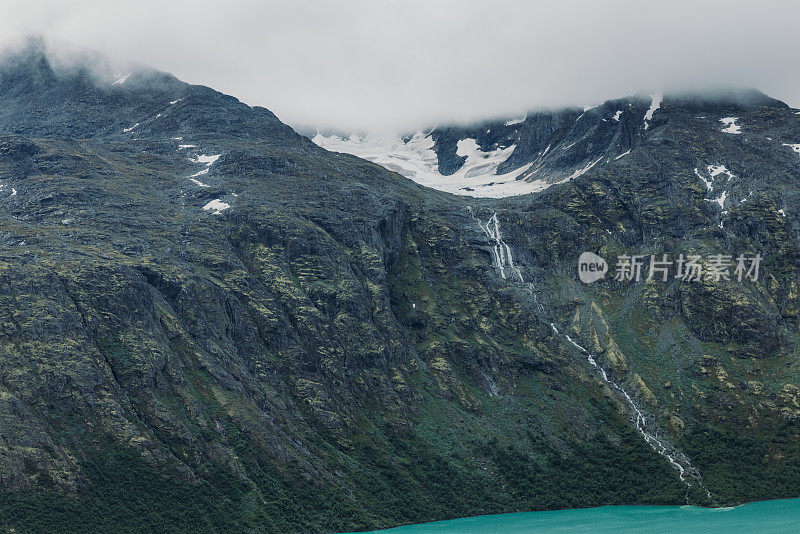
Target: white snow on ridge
{"type": "Point", "coordinates": [617, 115]}
{"type": "Point", "coordinates": [479, 162]}
{"type": "Point", "coordinates": [121, 78]}
{"type": "Point", "coordinates": [515, 121]}
{"type": "Point", "coordinates": [730, 125]}
{"type": "Point", "coordinates": [181, 147]}
{"type": "Point", "coordinates": [581, 172]}
{"type": "Point", "coordinates": [413, 159]}
{"type": "Point", "coordinates": [654, 105]}
{"type": "Point", "coordinates": [416, 159]}
{"type": "Point", "coordinates": [623, 154]}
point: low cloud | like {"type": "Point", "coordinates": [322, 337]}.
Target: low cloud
{"type": "Point", "coordinates": [389, 65]}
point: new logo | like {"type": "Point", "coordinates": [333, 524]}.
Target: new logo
{"type": "Point", "coordinates": [591, 267]}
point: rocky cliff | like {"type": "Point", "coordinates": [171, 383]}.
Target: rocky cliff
{"type": "Point", "coordinates": [208, 322]}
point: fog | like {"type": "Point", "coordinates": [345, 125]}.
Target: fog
{"type": "Point", "coordinates": [395, 65]}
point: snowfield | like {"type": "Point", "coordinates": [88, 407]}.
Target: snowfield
{"type": "Point", "coordinates": [416, 159]}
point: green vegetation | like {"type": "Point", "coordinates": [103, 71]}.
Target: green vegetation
{"type": "Point", "coordinates": [336, 351]}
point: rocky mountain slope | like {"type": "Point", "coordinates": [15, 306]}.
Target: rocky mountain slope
{"type": "Point", "coordinates": [211, 323]}
{"type": "Point", "coordinates": [502, 158]}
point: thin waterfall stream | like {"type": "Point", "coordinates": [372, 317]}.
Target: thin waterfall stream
{"type": "Point", "coordinates": [643, 423]}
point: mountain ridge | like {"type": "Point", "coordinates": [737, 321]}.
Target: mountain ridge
{"type": "Point", "coordinates": [238, 330]}
{"type": "Point", "coordinates": [525, 155]}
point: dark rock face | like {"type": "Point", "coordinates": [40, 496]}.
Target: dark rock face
{"type": "Point", "coordinates": [552, 146]}
{"type": "Point", "coordinates": [336, 350]}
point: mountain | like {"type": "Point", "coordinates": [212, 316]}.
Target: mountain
{"type": "Point", "coordinates": [209, 323]}
{"type": "Point", "coordinates": [502, 158]}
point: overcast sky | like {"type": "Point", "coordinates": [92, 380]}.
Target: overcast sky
{"type": "Point", "coordinates": [384, 64]}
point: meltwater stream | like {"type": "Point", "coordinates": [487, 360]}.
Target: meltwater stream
{"type": "Point", "coordinates": [644, 424]}
{"type": "Point", "coordinates": [503, 258]}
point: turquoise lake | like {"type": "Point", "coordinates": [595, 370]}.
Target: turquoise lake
{"type": "Point", "coordinates": [766, 517]}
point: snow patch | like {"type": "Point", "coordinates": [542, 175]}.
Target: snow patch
{"type": "Point", "coordinates": [126, 130]}
{"type": "Point", "coordinates": [515, 121]}
{"type": "Point", "coordinates": [783, 213]}
{"type": "Point", "coordinates": [617, 115]}
{"type": "Point", "coordinates": [655, 103]}
{"type": "Point", "coordinates": [175, 102]}
{"type": "Point", "coordinates": [198, 182]}
{"type": "Point", "coordinates": [623, 154]}
{"type": "Point", "coordinates": [584, 170]}
{"type": "Point", "coordinates": [707, 182]}
{"type": "Point", "coordinates": [181, 147]}
{"type": "Point", "coordinates": [730, 125]}
{"type": "Point", "coordinates": [796, 147]}
{"type": "Point", "coordinates": [208, 160]}
{"type": "Point", "coordinates": [715, 170]}
{"type": "Point", "coordinates": [216, 206]}
{"type": "Point", "coordinates": [121, 78]}
{"type": "Point", "coordinates": [720, 200]}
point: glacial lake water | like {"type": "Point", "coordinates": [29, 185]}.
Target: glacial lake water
{"type": "Point", "coordinates": [765, 517]}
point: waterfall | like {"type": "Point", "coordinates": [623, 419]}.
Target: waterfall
{"type": "Point", "coordinates": [503, 260]}
{"type": "Point", "coordinates": [501, 252]}
{"type": "Point", "coordinates": [676, 459]}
